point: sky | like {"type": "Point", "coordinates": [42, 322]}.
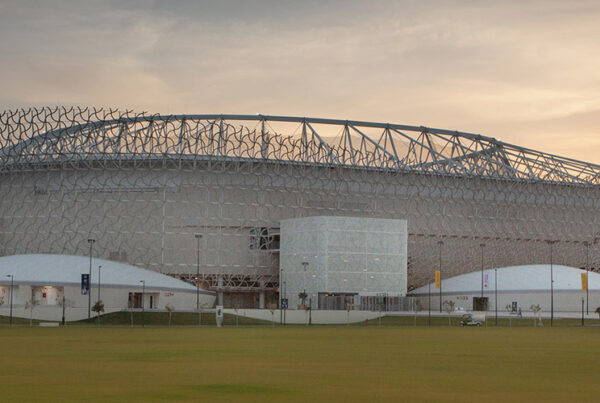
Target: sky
{"type": "Point", "coordinates": [527, 73]}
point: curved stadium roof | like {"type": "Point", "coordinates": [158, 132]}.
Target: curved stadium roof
{"type": "Point", "coordinates": [37, 137]}
{"type": "Point", "coordinates": [48, 269]}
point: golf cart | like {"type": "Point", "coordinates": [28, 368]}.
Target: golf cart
{"type": "Point", "coordinates": [467, 320]}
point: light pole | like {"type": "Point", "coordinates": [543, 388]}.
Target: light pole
{"type": "Point", "coordinates": [304, 264]}
{"type": "Point", "coordinates": [482, 246]}
{"type": "Point", "coordinates": [198, 238]}
{"type": "Point", "coordinates": [551, 243]}
{"type": "Point", "coordinates": [429, 303]}
{"type": "Point", "coordinates": [440, 243]}
{"type": "Point", "coordinates": [12, 278]}
{"type": "Point", "coordinates": [496, 293]}
{"type": "Point", "coordinates": [91, 242]}
{"type": "Point", "coordinates": [284, 296]}
{"type": "Point", "coordinates": [143, 302]}
{"type": "Point", "coordinates": [587, 275]}
{"type": "Point", "coordinates": [99, 268]}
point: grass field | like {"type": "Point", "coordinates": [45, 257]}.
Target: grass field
{"type": "Point", "coordinates": [299, 364]}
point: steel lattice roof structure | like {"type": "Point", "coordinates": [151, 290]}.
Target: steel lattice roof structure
{"type": "Point", "coordinates": [76, 135]}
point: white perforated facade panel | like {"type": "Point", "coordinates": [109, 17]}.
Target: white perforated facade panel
{"type": "Point", "coordinates": [365, 256]}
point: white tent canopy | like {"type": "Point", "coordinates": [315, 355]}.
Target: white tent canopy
{"type": "Point", "coordinates": [48, 270]}
{"type": "Point", "coordinates": [516, 278]}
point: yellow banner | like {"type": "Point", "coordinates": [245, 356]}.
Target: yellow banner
{"type": "Point", "coordinates": [438, 279]}
{"type": "Point", "coordinates": [584, 281]}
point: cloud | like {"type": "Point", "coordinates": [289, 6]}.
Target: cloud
{"type": "Point", "coordinates": [477, 66]}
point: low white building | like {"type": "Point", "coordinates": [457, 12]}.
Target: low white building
{"type": "Point", "coordinates": [519, 287]}
{"type": "Point", "coordinates": [54, 281]}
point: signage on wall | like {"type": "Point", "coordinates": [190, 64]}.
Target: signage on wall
{"type": "Point", "coordinates": [284, 303]}
{"type": "Point", "coordinates": [85, 284]}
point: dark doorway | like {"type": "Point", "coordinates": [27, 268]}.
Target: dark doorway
{"type": "Point", "coordinates": [480, 303]}
{"type": "Point", "coordinates": [135, 300]}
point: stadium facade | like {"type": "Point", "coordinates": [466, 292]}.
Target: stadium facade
{"type": "Point", "coordinates": [201, 197]}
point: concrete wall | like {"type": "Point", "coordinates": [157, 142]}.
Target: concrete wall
{"type": "Point", "coordinates": [297, 317]}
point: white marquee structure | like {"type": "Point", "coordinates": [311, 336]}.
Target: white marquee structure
{"type": "Point", "coordinates": [519, 287]}
{"type": "Point", "coordinates": [54, 280]}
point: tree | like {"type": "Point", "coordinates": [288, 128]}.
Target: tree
{"type": "Point", "coordinates": [235, 308]}
{"type": "Point", "coordinates": [536, 309]}
{"type": "Point", "coordinates": [348, 309]}
{"type": "Point", "coordinates": [98, 307]}
{"type": "Point", "coordinates": [32, 303]}
{"type": "Point", "coordinates": [170, 308]}
{"type": "Point", "coordinates": [598, 311]}
{"type": "Point", "coordinates": [272, 317]}
{"type": "Point", "coordinates": [272, 307]}
{"type": "Point", "coordinates": [448, 307]}
{"type": "Point", "coordinates": [64, 303]}
{"type": "Point", "coordinates": [416, 308]}
{"type": "Point", "coordinates": [303, 297]}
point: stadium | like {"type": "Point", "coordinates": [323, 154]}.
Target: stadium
{"type": "Point", "coordinates": [203, 197]}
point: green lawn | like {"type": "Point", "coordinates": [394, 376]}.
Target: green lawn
{"type": "Point", "coordinates": [299, 364]}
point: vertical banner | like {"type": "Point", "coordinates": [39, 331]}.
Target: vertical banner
{"type": "Point", "coordinates": [438, 279]}
{"type": "Point", "coordinates": [85, 284]}
{"type": "Point", "coordinates": [584, 281]}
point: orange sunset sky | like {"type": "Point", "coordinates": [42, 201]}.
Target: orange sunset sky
{"type": "Point", "coordinates": [524, 72]}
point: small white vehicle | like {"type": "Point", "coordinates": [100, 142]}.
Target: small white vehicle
{"type": "Point", "coordinates": [467, 320]}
